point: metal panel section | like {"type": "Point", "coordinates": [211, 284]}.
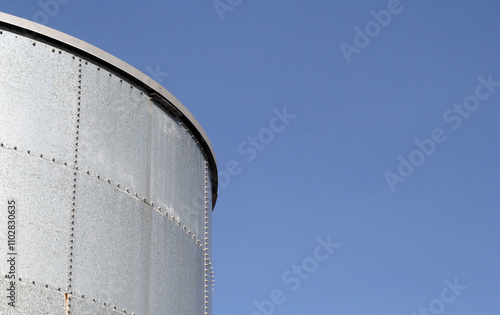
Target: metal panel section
{"type": "Point", "coordinates": [33, 299]}
{"type": "Point", "coordinates": [114, 129]}
{"type": "Point", "coordinates": [37, 97]}
{"type": "Point", "coordinates": [131, 256]}
{"type": "Point", "coordinates": [175, 278]}
{"type": "Point", "coordinates": [93, 53]}
{"type": "Point", "coordinates": [179, 190]}
{"type": "Point", "coordinates": [111, 245]}
{"type": "Point", "coordinates": [42, 192]}
{"type": "Point", "coordinates": [113, 178]}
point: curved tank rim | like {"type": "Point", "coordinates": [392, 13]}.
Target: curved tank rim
{"type": "Point", "coordinates": [156, 91]}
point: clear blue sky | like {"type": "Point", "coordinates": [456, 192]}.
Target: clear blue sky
{"type": "Point", "coordinates": [432, 241]}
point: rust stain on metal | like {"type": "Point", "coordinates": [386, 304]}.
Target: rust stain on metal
{"type": "Point", "coordinates": [66, 303]}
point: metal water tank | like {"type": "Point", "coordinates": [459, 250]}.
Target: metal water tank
{"type": "Point", "coordinates": [107, 184]}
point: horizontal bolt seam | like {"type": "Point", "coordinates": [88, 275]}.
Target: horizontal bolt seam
{"type": "Point", "coordinates": [109, 182]}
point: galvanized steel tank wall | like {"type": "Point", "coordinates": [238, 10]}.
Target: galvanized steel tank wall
{"type": "Point", "coordinates": [113, 188]}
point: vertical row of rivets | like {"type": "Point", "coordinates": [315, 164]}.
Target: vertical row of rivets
{"type": "Point", "coordinates": [73, 209]}
{"type": "Point", "coordinates": [206, 243]}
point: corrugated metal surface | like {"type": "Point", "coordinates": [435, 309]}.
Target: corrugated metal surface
{"type": "Point", "coordinates": [114, 193]}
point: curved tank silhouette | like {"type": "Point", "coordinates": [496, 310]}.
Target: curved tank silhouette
{"type": "Point", "coordinates": [107, 184]}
